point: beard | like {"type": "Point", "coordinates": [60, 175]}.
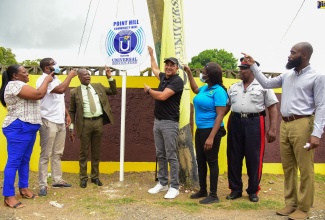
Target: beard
{"type": "Point", "coordinates": [51, 69]}
{"type": "Point", "coordinates": [293, 63]}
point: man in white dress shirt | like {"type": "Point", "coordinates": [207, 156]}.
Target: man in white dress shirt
{"type": "Point", "coordinates": [303, 120]}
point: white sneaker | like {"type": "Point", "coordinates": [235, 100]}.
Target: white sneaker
{"type": "Point", "coordinates": [172, 193]}
{"type": "Point", "coordinates": [158, 188]}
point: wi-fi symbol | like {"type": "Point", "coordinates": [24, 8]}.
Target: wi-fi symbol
{"type": "Point", "coordinates": [109, 42]}
{"type": "Point", "coordinates": [141, 40]}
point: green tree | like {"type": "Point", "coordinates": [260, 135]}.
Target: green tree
{"type": "Point", "coordinates": [30, 62]}
{"type": "Point", "coordinates": [225, 59]}
{"type": "Point", "coordinates": [7, 57]}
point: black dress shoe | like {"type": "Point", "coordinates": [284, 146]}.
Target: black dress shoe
{"type": "Point", "coordinates": [97, 182]}
{"type": "Point", "coordinates": [253, 197]}
{"type": "Point", "coordinates": [234, 195]}
{"type": "Point", "coordinates": [83, 183]}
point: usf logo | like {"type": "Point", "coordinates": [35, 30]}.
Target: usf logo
{"type": "Point", "coordinates": [321, 4]}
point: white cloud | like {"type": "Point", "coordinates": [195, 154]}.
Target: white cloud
{"type": "Point", "coordinates": [37, 28]}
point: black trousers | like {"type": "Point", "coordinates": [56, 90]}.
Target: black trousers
{"type": "Point", "coordinates": [209, 157]}
{"type": "Point", "coordinates": [246, 138]}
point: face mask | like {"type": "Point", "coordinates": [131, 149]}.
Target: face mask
{"type": "Point", "coordinates": [201, 78]}
{"type": "Point", "coordinates": [56, 69]}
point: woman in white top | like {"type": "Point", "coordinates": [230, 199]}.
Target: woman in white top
{"type": "Point", "coordinates": [20, 126]}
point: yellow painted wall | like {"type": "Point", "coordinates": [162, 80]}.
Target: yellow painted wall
{"type": "Point", "coordinates": [111, 167]}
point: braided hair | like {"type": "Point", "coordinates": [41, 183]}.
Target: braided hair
{"type": "Point", "coordinates": [7, 76]}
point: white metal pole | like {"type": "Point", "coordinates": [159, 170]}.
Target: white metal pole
{"type": "Point", "coordinates": [122, 136]}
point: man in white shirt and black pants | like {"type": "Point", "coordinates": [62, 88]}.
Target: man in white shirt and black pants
{"type": "Point", "coordinates": [246, 131]}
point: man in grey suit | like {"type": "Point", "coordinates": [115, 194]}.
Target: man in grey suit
{"type": "Point", "coordinates": [90, 110]}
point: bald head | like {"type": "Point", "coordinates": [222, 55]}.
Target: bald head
{"type": "Point", "coordinates": [300, 55]}
{"type": "Point", "coordinates": [306, 48]}
{"type": "Point", "coordinates": [84, 76]}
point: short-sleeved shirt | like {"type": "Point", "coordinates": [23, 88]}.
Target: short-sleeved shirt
{"type": "Point", "coordinates": [52, 104]}
{"type": "Point", "coordinates": [169, 109]}
{"type": "Point", "coordinates": [18, 108]}
{"type": "Point", "coordinates": [253, 99]}
{"type": "Point", "coordinates": [205, 103]}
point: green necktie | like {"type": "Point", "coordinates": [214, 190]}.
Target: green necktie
{"type": "Point", "coordinates": [91, 101]}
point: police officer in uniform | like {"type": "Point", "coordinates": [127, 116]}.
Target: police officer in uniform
{"type": "Point", "coordinates": [246, 131]}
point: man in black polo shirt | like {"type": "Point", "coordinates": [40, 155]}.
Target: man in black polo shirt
{"type": "Point", "coordinates": [167, 101]}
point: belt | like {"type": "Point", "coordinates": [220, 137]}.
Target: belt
{"type": "Point", "coordinates": [248, 115]}
{"type": "Point", "coordinates": [93, 118]}
{"type": "Point", "coordinates": [294, 117]}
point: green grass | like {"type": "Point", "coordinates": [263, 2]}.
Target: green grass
{"type": "Point", "coordinates": [320, 178]}
{"type": "Point", "coordinates": [122, 201]}
{"type": "Point", "coordinates": [245, 205]}
{"type": "Point", "coordinates": [229, 205]}
{"type": "Point", "coordinates": [184, 205]}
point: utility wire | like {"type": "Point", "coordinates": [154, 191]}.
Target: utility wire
{"type": "Point", "coordinates": [118, 5]}
{"type": "Point", "coordinates": [84, 27]}
{"type": "Point", "coordinates": [91, 26]}
{"type": "Point", "coordinates": [293, 20]}
{"type": "Point", "coordinates": [118, 1]}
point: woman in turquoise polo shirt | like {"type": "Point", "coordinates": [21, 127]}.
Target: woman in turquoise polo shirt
{"type": "Point", "coordinates": [210, 108]}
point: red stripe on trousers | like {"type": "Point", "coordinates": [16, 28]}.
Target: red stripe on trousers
{"type": "Point", "coordinates": [262, 147]}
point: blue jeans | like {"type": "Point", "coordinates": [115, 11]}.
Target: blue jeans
{"type": "Point", "coordinates": [20, 141]}
{"type": "Point", "coordinates": [165, 134]}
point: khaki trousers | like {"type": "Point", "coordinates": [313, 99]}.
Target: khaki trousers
{"type": "Point", "coordinates": [52, 138]}
{"type": "Point", "coordinates": [91, 137]}
{"type": "Point", "coordinates": [293, 136]}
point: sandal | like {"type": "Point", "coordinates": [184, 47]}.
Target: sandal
{"type": "Point", "coordinates": [27, 197]}
{"type": "Point", "coordinates": [18, 205]}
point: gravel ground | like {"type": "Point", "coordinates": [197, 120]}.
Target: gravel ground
{"type": "Point", "coordinates": [130, 200]}
{"type": "Point", "coordinates": [145, 212]}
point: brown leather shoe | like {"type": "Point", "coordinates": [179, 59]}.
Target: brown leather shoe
{"type": "Point", "coordinates": [299, 215]}
{"type": "Point", "coordinates": [286, 210]}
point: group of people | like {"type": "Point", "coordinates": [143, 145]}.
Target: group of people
{"type": "Point", "coordinates": [43, 109]}
{"type": "Point", "coordinates": [249, 100]}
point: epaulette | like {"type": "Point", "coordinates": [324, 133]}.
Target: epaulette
{"type": "Point", "coordinates": [234, 84]}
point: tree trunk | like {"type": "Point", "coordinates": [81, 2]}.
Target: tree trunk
{"type": "Point", "coordinates": [188, 174]}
